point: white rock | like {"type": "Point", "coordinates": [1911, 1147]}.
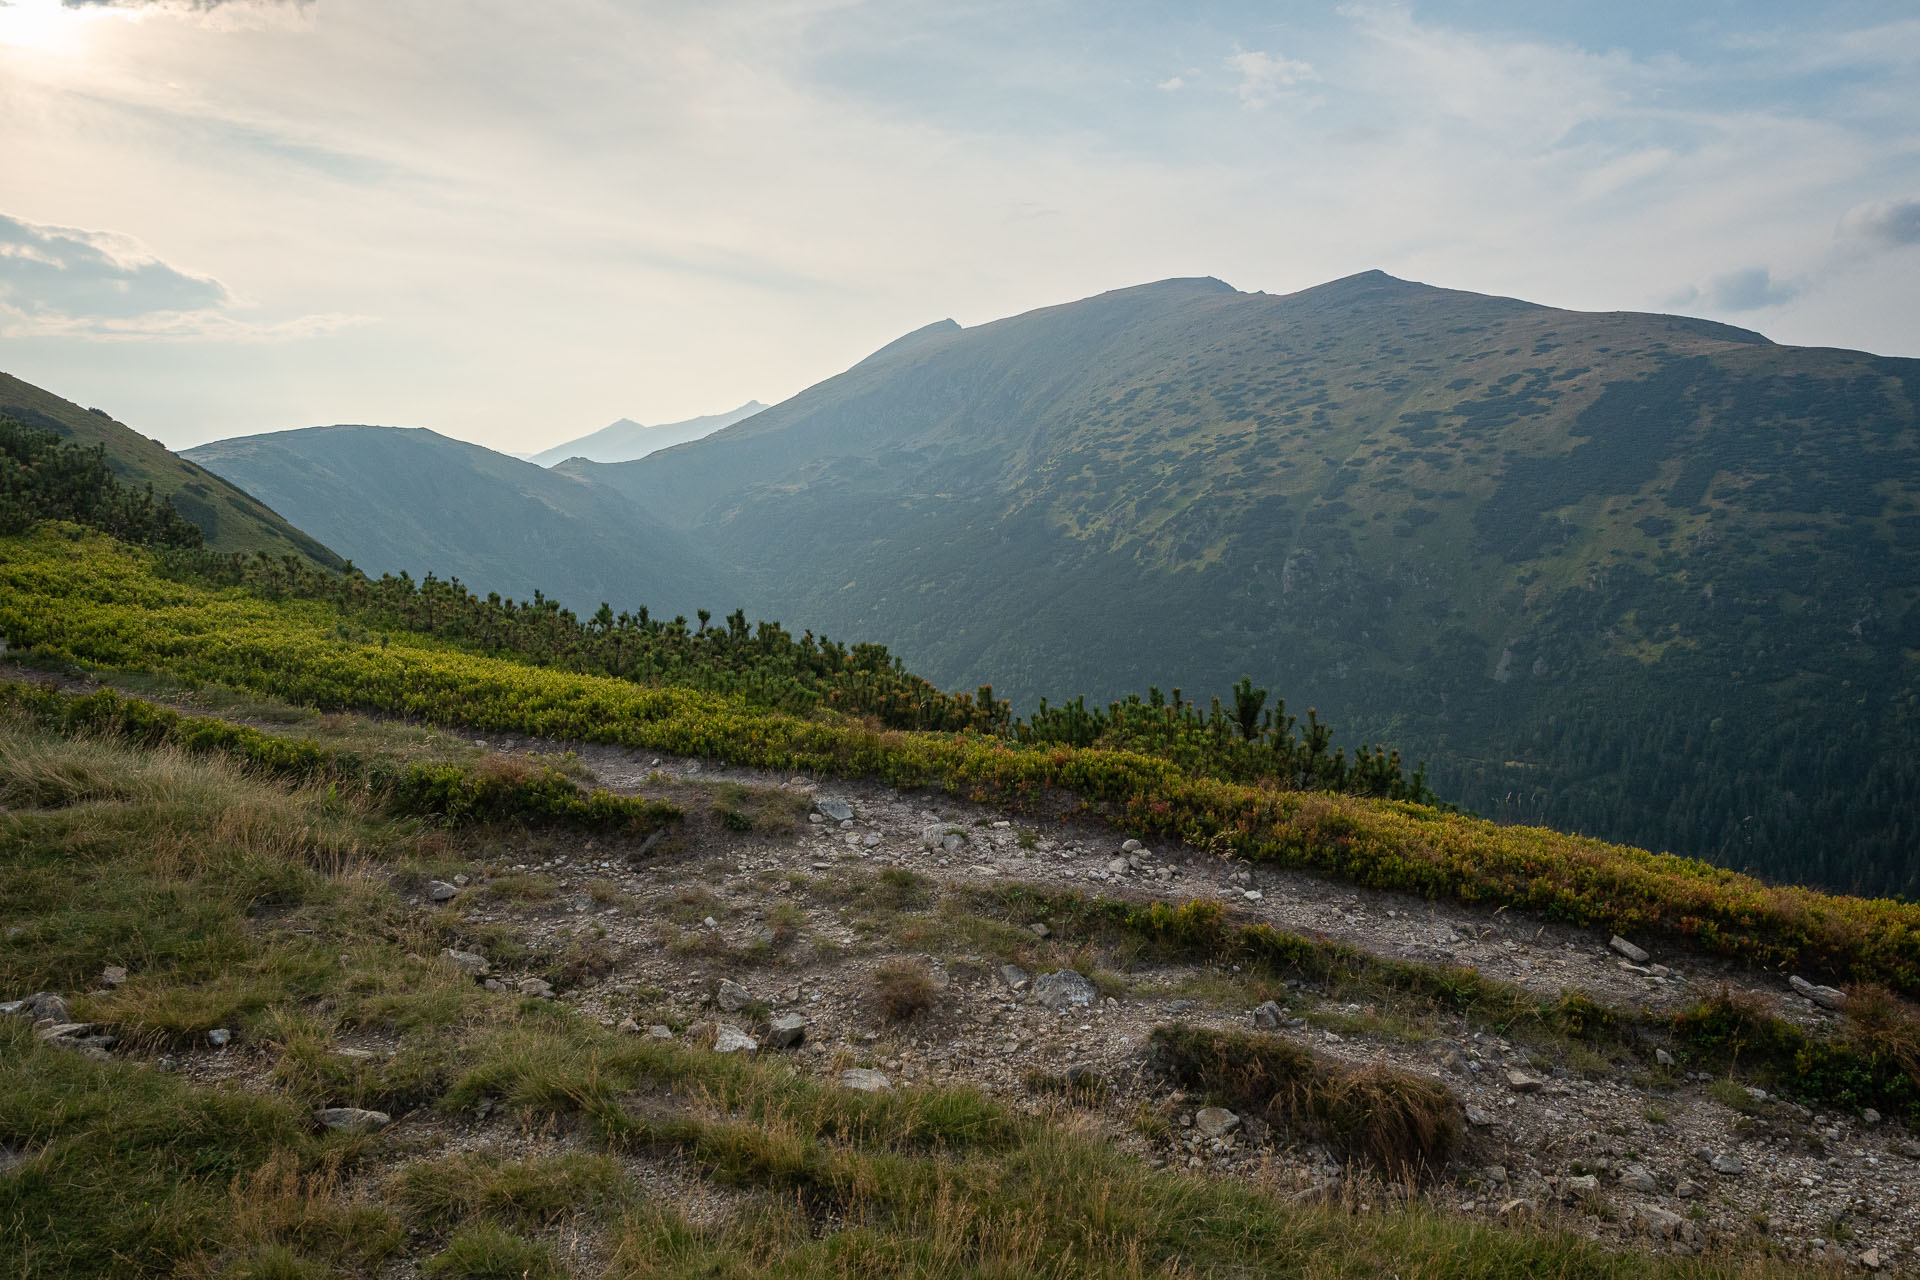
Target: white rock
{"type": "Point", "coordinates": [1825, 997]}
{"type": "Point", "coordinates": [733, 1040]}
{"type": "Point", "coordinates": [467, 962]}
{"type": "Point", "coordinates": [731, 997]}
{"type": "Point", "coordinates": [1521, 1082]}
{"type": "Point", "coordinates": [864, 1080]}
{"type": "Point", "coordinates": [1661, 1223]}
{"type": "Point", "coordinates": [1064, 989]}
{"type": "Point", "coordinates": [786, 1031]}
{"type": "Point", "coordinates": [440, 890]}
{"type": "Point", "coordinates": [219, 1036]}
{"type": "Point", "coordinates": [539, 988]}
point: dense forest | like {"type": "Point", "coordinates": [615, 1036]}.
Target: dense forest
{"type": "Point", "coordinates": [45, 478]}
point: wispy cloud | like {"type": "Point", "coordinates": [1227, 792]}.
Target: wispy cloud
{"type": "Point", "coordinates": [1883, 224]}
{"type": "Point", "coordinates": [1263, 75]}
{"type": "Point", "coordinates": [75, 283]}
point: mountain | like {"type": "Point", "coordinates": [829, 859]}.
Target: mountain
{"type": "Point", "coordinates": [394, 499]}
{"type": "Point", "coordinates": [1644, 576]}
{"type": "Point", "coordinates": [229, 518]}
{"type": "Point", "coordinates": [626, 439]}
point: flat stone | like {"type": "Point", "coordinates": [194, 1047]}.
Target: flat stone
{"type": "Point", "coordinates": [835, 809]}
{"type": "Point", "coordinates": [113, 975]}
{"type": "Point", "coordinates": [63, 1030]}
{"type": "Point", "coordinates": [218, 1037]}
{"type": "Point", "coordinates": [1269, 1016]}
{"type": "Point", "coordinates": [1038, 929]}
{"type": "Point", "coordinates": [1825, 997]}
{"type": "Point", "coordinates": [786, 1031]}
{"type": "Point", "coordinates": [731, 997]}
{"type": "Point", "coordinates": [1064, 989]}
{"type": "Point", "coordinates": [1871, 1260]}
{"type": "Point", "coordinates": [932, 837]}
{"type": "Point", "coordinates": [658, 1031]}
{"type": "Point", "coordinates": [1119, 866]}
{"type": "Point", "coordinates": [1215, 1122]}
{"type": "Point", "coordinates": [1586, 1184]}
{"type": "Point", "coordinates": [1729, 1164]}
{"type": "Point", "coordinates": [733, 1040]}
{"type": "Point", "coordinates": [441, 891]}
{"type": "Point", "coordinates": [45, 1005]}
{"type": "Point", "coordinates": [1517, 1210]}
{"type": "Point", "coordinates": [629, 1026]}
{"type": "Point", "coordinates": [1132, 846]}
{"type": "Point", "coordinates": [354, 1119]}
{"type": "Point", "coordinates": [1662, 1057]}
{"type": "Point", "coordinates": [1479, 1119]}
{"type": "Point", "coordinates": [539, 988]}
{"type": "Point", "coordinates": [353, 1055]}
{"type": "Point", "coordinates": [1521, 1082]}
{"type": "Point", "coordinates": [1015, 977]}
{"type": "Point", "coordinates": [467, 962]}
{"type": "Point", "coordinates": [1686, 1188]}
{"type": "Point", "coordinates": [1628, 950]}
{"type": "Point", "coordinates": [864, 1080]}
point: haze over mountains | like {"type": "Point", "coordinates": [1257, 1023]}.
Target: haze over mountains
{"type": "Point", "coordinates": [1641, 575]}
{"type": "Point", "coordinates": [627, 440]}
{"type": "Point", "coordinates": [398, 500]}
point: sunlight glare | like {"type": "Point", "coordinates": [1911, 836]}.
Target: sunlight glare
{"type": "Point", "coordinates": [41, 24]}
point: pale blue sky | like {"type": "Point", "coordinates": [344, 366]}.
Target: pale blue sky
{"type": "Point", "coordinates": [514, 222]}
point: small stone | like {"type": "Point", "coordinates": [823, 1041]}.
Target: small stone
{"type": "Point", "coordinates": [1119, 866]}
{"type": "Point", "coordinates": [1517, 1210]}
{"type": "Point", "coordinates": [1064, 989]}
{"type": "Point", "coordinates": [440, 890]}
{"type": "Point", "coordinates": [467, 962]}
{"type": "Point", "coordinates": [1871, 1260]}
{"type": "Point", "coordinates": [218, 1037]}
{"type": "Point", "coordinates": [659, 1031]}
{"type": "Point", "coordinates": [1586, 1184]}
{"type": "Point", "coordinates": [786, 1031]}
{"type": "Point", "coordinates": [864, 1080]}
{"type": "Point", "coordinates": [1662, 1057]}
{"type": "Point", "coordinates": [113, 975]}
{"type": "Point", "coordinates": [1636, 1178]}
{"type": "Point", "coordinates": [494, 984]}
{"type": "Point", "coordinates": [462, 880]}
{"type": "Point", "coordinates": [1215, 1122]}
{"type": "Point", "coordinates": [42, 1005]}
{"type": "Point", "coordinates": [1686, 1188]}
{"type": "Point", "coordinates": [1132, 846]}
{"type": "Point", "coordinates": [1038, 929]}
{"type": "Point", "coordinates": [836, 809]}
{"type": "Point", "coordinates": [1479, 1119]}
{"type": "Point", "coordinates": [953, 842]}
{"type": "Point", "coordinates": [932, 837]}
{"type": "Point", "coordinates": [1870, 1116]}
{"type": "Point", "coordinates": [1253, 895]}
{"type": "Point", "coordinates": [353, 1055]}
{"type": "Point", "coordinates": [731, 997]}
{"type": "Point", "coordinates": [1269, 1016]}
{"type": "Point", "coordinates": [538, 988]}
{"type": "Point", "coordinates": [733, 1040]}
{"type": "Point", "coordinates": [629, 1025]}
{"type": "Point", "coordinates": [1729, 1164]}
{"type": "Point", "coordinates": [1015, 977]}
{"type": "Point", "coordinates": [1521, 1082]}
{"type": "Point", "coordinates": [1628, 950]}
{"type": "Point", "coordinates": [354, 1119]}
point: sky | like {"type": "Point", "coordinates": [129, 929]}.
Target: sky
{"type": "Point", "coordinates": [516, 222]}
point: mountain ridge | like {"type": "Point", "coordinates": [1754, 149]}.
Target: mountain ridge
{"type": "Point", "coordinates": [408, 499]}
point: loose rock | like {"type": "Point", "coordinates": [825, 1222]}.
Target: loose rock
{"type": "Point", "coordinates": [1064, 989]}
{"type": "Point", "coordinates": [1215, 1122]}
{"type": "Point", "coordinates": [354, 1119]}
{"type": "Point", "coordinates": [866, 1081]}
{"type": "Point", "coordinates": [786, 1031]}
{"type": "Point", "coordinates": [834, 808]}
{"type": "Point", "coordinates": [1825, 997]}
{"type": "Point", "coordinates": [733, 1040]}
{"type": "Point", "coordinates": [731, 997]}
{"type": "Point", "coordinates": [441, 891]}
{"type": "Point", "coordinates": [467, 962]}
{"type": "Point", "coordinates": [1628, 950]}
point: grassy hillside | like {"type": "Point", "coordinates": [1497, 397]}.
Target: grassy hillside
{"type": "Point", "coordinates": [1643, 576]}
{"type": "Point", "coordinates": [74, 596]}
{"type": "Point", "coordinates": [228, 517]}
{"type": "Point", "coordinates": [394, 500]}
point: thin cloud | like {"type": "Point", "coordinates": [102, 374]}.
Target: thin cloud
{"type": "Point", "coordinates": [1263, 75]}
{"type": "Point", "coordinates": [1885, 224]}
{"type": "Point", "coordinates": [1750, 289]}
{"type": "Point", "coordinates": [75, 283]}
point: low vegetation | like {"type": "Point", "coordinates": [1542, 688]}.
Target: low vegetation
{"type": "Point", "coordinates": [75, 598]}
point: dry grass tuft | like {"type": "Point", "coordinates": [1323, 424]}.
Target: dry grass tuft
{"type": "Point", "coordinates": [903, 989]}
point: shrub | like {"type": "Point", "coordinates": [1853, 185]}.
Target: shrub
{"type": "Point", "coordinates": [903, 989]}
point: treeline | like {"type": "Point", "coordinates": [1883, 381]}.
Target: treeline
{"type": "Point", "coordinates": [42, 477]}
{"type": "Point", "coordinates": [765, 665]}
